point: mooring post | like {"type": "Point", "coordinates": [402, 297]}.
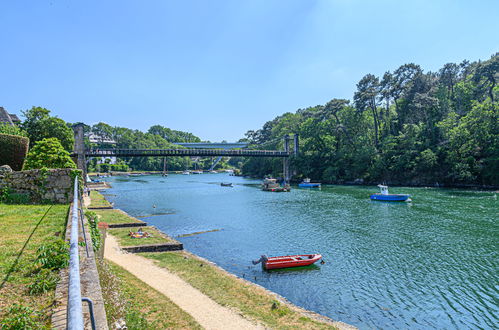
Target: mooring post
{"type": "Point", "coordinates": [79, 149]}
{"type": "Point", "coordinates": [286, 160]}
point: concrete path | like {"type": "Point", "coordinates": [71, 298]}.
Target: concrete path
{"type": "Point", "coordinates": [203, 309]}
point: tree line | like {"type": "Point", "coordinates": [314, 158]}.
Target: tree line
{"type": "Point", "coordinates": [406, 127]}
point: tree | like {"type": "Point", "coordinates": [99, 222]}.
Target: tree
{"type": "Point", "coordinates": [40, 125]}
{"type": "Point", "coordinates": [366, 98]}
{"type": "Point", "coordinates": [486, 74]}
{"type": "Point", "coordinates": [48, 153]}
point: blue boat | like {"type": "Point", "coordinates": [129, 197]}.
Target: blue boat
{"type": "Point", "coordinates": [385, 196]}
{"type": "Point", "coordinates": [307, 184]}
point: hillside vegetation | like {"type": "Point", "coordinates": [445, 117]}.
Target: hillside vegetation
{"type": "Point", "coordinates": [407, 127]}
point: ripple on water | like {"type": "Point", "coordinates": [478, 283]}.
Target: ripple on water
{"type": "Point", "coordinates": [427, 264]}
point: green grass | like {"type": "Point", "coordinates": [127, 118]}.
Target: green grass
{"type": "Point", "coordinates": [143, 307]}
{"type": "Point", "coordinates": [22, 234]}
{"type": "Point", "coordinates": [98, 200]}
{"type": "Point", "coordinates": [114, 216]}
{"type": "Point", "coordinates": [125, 240]}
{"type": "Point", "coordinates": [252, 301]}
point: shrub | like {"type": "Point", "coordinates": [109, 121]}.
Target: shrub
{"type": "Point", "coordinates": [12, 130]}
{"type": "Point", "coordinates": [94, 230]}
{"type": "Point", "coordinates": [21, 317]}
{"type": "Point", "coordinates": [48, 153]}
{"type": "Point", "coordinates": [44, 281]}
{"type": "Point", "coordinates": [54, 255]}
{"type": "Point", "coordinates": [14, 149]}
{"type": "Point", "coordinates": [9, 197]}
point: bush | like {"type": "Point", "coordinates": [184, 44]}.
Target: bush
{"type": "Point", "coordinates": [14, 149]}
{"type": "Point", "coordinates": [48, 153]}
{"type": "Point", "coordinates": [12, 130]}
{"type": "Point", "coordinates": [94, 230]}
{"type": "Point", "coordinates": [44, 281]}
{"type": "Point", "coordinates": [21, 317]}
{"type": "Point", "coordinates": [54, 255]}
{"type": "Point", "coordinates": [9, 197]}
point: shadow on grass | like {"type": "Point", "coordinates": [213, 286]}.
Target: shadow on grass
{"type": "Point", "coordinates": [22, 250]}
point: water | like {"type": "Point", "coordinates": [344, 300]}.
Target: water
{"type": "Point", "coordinates": [428, 264]}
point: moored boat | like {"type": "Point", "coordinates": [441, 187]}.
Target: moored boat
{"type": "Point", "coordinates": [226, 184]}
{"type": "Point", "coordinates": [186, 172]}
{"type": "Point", "coordinates": [387, 197]}
{"type": "Point", "coordinates": [298, 260]}
{"type": "Point", "coordinates": [307, 184]}
{"type": "Point", "coordinates": [270, 184]}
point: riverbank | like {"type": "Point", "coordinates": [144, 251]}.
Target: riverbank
{"type": "Point", "coordinates": [256, 304]}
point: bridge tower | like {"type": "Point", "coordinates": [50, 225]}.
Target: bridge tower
{"type": "Point", "coordinates": [79, 148]}
{"type": "Point", "coordinates": [285, 172]}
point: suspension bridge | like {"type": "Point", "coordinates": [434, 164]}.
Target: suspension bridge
{"type": "Point", "coordinates": [202, 149]}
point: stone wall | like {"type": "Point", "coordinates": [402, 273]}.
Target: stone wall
{"type": "Point", "coordinates": [52, 185]}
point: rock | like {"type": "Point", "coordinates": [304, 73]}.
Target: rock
{"type": "Point", "coordinates": [5, 169]}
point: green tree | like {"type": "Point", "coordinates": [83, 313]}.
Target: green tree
{"type": "Point", "coordinates": [48, 153]}
{"type": "Point", "coordinates": [40, 125]}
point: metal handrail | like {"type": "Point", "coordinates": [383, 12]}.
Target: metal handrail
{"type": "Point", "coordinates": [75, 311]}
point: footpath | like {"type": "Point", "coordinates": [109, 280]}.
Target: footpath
{"type": "Point", "coordinates": [208, 313]}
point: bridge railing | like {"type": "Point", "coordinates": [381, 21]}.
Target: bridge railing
{"type": "Point", "coordinates": [183, 152]}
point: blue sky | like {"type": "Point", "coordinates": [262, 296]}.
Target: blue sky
{"type": "Point", "coordinates": [219, 68]}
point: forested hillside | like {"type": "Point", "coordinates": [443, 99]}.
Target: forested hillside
{"type": "Point", "coordinates": [407, 127]}
{"type": "Point", "coordinates": [157, 137]}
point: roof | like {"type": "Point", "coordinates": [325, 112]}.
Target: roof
{"type": "Point", "coordinates": [14, 118]}
{"type": "Point", "coordinates": [5, 117]}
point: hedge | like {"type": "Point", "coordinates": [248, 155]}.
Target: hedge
{"type": "Point", "coordinates": [13, 150]}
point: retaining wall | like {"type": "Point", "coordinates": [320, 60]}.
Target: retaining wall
{"type": "Point", "coordinates": [52, 185]}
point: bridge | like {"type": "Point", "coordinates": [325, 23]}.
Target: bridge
{"type": "Point", "coordinates": [208, 145]}
{"type": "Point", "coordinates": [182, 153]}
{"type": "Point", "coordinates": [203, 149]}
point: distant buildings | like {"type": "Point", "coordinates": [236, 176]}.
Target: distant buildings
{"type": "Point", "coordinates": [8, 118]}
{"type": "Point", "coordinates": [102, 140]}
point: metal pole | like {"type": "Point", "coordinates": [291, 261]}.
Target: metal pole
{"type": "Point", "coordinates": [286, 161]}
{"type": "Point", "coordinates": [75, 311]}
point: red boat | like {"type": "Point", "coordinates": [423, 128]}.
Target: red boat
{"type": "Point", "coordinates": [288, 261]}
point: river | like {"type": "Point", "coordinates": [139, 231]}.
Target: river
{"type": "Point", "coordinates": [431, 263]}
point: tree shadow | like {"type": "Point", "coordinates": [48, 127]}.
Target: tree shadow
{"type": "Point", "coordinates": [13, 267]}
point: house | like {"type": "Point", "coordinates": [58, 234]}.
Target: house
{"type": "Point", "coordinates": [8, 118]}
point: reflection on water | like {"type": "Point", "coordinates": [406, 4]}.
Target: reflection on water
{"type": "Point", "coordinates": [431, 263]}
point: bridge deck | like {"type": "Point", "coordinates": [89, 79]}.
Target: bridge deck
{"type": "Point", "coordinates": [183, 152]}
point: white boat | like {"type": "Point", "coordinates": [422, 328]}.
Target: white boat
{"type": "Point", "coordinates": [186, 172]}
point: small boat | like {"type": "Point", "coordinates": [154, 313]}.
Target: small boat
{"type": "Point", "coordinates": [186, 172]}
{"type": "Point", "coordinates": [197, 172]}
{"type": "Point", "coordinates": [213, 172]}
{"type": "Point", "coordinates": [307, 184]}
{"type": "Point", "coordinates": [385, 196]}
{"type": "Point", "coordinates": [299, 260]}
{"type": "Point", "coordinates": [270, 184]}
{"type": "Point", "coordinates": [226, 184]}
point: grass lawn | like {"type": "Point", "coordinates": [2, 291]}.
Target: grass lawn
{"type": "Point", "coordinates": [22, 234]}
{"type": "Point", "coordinates": [235, 293]}
{"type": "Point", "coordinates": [124, 240]}
{"type": "Point", "coordinates": [144, 307]}
{"type": "Point", "coordinates": [98, 200]}
{"type": "Point", "coordinates": [114, 216]}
